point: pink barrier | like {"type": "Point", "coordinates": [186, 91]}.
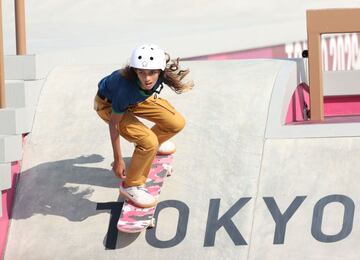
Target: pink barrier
{"type": "Point", "coordinates": [264, 53]}
{"type": "Point", "coordinates": [339, 52]}
{"type": "Point", "coordinates": [334, 106]}
{"type": "Point", "coordinates": [342, 105]}
{"type": "Point", "coordinates": [299, 102]}
{"type": "Point", "coordinates": [7, 202]}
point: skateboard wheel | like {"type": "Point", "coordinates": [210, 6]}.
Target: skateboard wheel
{"type": "Point", "coordinates": [152, 223]}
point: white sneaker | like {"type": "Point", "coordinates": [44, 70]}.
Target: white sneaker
{"type": "Point", "coordinates": [166, 148]}
{"type": "Point", "coordinates": [138, 195]}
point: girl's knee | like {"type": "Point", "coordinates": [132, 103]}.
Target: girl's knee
{"type": "Point", "coordinates": [149, 143]}
{"type": "Point", "coordinates": [179, 124]}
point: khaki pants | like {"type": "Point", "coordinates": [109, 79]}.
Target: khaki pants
{"type": "Point", "coordinates": [168, 122]}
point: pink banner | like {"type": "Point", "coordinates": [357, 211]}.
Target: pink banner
{"type": "Point", "coordinates": [340, 52]}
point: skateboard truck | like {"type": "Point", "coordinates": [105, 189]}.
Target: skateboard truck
{"type": "Point", "coordinates": [168, 168]}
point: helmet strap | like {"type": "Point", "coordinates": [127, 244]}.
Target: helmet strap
{"type": "Point", "coordinates": [161, 79]}
{"type": "Point", "coordinates": [161, 87]}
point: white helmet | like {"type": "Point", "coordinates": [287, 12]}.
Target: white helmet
{"type": "Point", "coordinates": [148, 56]}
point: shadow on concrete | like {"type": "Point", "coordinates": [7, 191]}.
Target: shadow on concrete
{"type": "Point", "coordinates": [113, 238]}
{"type": "Point", "coordinates": [62, 188]}
{"type": "Point", "coordinates": [126, 239]}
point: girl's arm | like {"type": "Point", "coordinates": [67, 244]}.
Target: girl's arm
{"type": "Point", "coordinates": [119, 164]}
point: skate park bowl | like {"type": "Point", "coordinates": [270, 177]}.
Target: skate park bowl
{"type": "Point", "coordinates": [250, 180]}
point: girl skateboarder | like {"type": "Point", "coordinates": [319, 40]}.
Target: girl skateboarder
{"type": "Point", "coordinates": [129, 93]}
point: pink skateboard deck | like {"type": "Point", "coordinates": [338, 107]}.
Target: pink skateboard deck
{"type": "Point", "coordinates": [134, 219]}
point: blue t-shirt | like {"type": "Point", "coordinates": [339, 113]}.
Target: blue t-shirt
{"type": "Point", "coordinates": [123, 92]}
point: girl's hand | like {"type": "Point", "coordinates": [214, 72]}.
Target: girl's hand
{"type": "Point", "coordinates": [119, 169]}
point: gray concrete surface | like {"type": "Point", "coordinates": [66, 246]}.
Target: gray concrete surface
{"type": "Point", "coordinates": [315, 168]}
{"type": "Point", "coordinates": [270, 198]}
{"type": "Point", "coordinates": [68, 155]}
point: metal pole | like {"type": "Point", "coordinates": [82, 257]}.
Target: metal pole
{"type": "Point", "coordinates": [2, 76]}
{"type": "Point", "coordinates": [20, 27]}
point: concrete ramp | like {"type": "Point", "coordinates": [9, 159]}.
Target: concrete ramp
{"type": "Point", "coordinates": [239, 191]}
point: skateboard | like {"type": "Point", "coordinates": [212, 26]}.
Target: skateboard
{"type": "Point", "coordinates": [134, 219]}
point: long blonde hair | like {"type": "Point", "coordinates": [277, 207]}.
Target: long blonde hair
{"type": "Point", "coordinates": [172, 76]}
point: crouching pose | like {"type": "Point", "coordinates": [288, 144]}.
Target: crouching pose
{"type": "Point", "coordinates": [129, 93]}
